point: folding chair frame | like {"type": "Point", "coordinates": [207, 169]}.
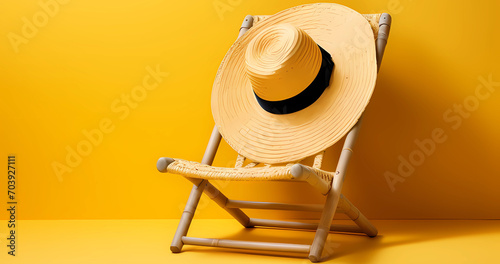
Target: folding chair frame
{"type": "Point", "coordinates": [335, 201]}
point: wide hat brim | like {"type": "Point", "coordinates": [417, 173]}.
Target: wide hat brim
{"type": "Point", "coordinates": [272, 138]}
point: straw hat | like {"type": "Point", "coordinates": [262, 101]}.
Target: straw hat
{"type": "Point", "coordinates": [295, 83]}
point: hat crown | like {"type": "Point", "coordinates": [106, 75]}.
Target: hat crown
{"type": "Point", "coordinates": [282, 61]}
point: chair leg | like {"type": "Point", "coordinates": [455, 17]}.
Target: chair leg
{"type": "Point", "coordinates": [358, 218]}
{"type": "Point", "coordinates": [187, 217]}
{"type": "Point", "coordinates": [220, 199]}
{"type": "Point", "coordinates": [333, 196]}
{"type": "Point", "coordinates": [319, 241]}
{"type": "Point", "coordinates": [366, 226]}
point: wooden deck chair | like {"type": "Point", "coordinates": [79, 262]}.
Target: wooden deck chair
{"type": "Point", "coordinates": [328, 183]}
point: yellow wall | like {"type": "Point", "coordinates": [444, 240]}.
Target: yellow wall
{"type": "Point", "coordinates": [76, 66]}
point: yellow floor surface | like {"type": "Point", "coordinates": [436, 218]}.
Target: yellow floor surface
{"type": "Point", "coordinates": [147, 241]}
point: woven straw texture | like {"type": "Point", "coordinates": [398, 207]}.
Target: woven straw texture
{"type": "Point", "coordinates": [273, 139]}
{"type": "Point", "coordinates": [373, 19]}
{"type": "Point", "coordinates": [197, 170]}
{"type": "Point", "coordinates": [250, 172]}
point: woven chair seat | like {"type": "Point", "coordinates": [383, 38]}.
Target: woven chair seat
{"type": "Point", "coordinates": [193, 169]}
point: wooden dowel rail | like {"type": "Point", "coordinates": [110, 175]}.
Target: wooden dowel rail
{"type": "Point", "coordinates": [226, 243]}
{"type": "Point", "coordinates": [302, 225]}
{"type": "Point", "coordinates": [302, 173]}
{"type": "Point", "coordinates": [343, 207]}
{"type": "Point", "coordinates": [274, 206]}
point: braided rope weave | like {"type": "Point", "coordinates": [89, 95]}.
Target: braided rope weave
{"type": "Point", "coordinates": [193, 169]}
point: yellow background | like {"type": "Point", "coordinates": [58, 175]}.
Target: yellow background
{"type": "Point", "coordinates": [67, 76]}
